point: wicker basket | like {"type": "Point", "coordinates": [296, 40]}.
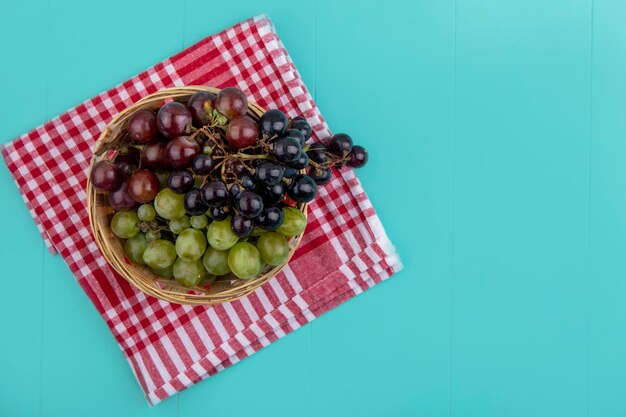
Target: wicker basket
{"type": "Point", "coordinates": [223, 289]}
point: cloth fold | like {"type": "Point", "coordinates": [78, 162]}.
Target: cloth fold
{"type": "Point", "coordinates": [344, 251]}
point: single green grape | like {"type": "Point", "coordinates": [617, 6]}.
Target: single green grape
{"type": "Point", "coordinates": [257, 231]}
{"type": "Point", "coordinates": [273, 248]}
{"type": "Point", "coordinates": [216, 261]}
{"type": "Point", "coordinates": [190, 245]}
{"type": "Point", "coordinates": [169, 205]}
{"type": "Point", "coordinates": [199, 222]}
{"type": "Point", "coordinates": [165, 272]}
{"type": "Point", "coordinates": [159, 254]}
{"type": "Point", "coordinates": [244, 260]}
{"type": "Point", "coordinates": [153, 235]}
{"type": "Point", "coordinates": [135, 246]}
{"type": "Point", "coordinates": [178, 225]}
{"type": "Point", "coordinates": [220, 235]}
{"type": "Point", "coordinates": [188, 273]}
{"type": "Point", "coordinates": [146, 212]}
{"type": "Point", "coordinates": [124, 224]}
{"type": "Point", "coordinates": [294, 223]}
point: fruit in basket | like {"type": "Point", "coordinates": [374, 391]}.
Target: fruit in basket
{"type": "Point", "coordinates": [244, 260]}
{"type": "Point", "coordinates": [200, 105]}
{"type": "Point", "coordinates": [120, 199]}
{"type": "Point", "coordinates": [181, 151]}
{"type": "Point", "coordinates": [242, 132]}
{"type": "Point", "coordinates": [190, 245]}
{"type": "Point", "coordinates": [124, 224]}
{"type": "Point", "coordinates": [220, 235]}
{"type": "Point", "coordinates": [135, 247]}
{"type": "Point", "coordinates": [105, 176]}
{"type": "Point", "coordinates": [231, 102]}
{"type": "Point", "coordinates": [188, 273]}
{"type": "Point", "coordinates": [202, 189]}
{"type": "Point", "coordinates": [169, 205]}
{"type": "Point", "coordinates": [216, 261]}
{"type": "Point", "coordinates": [294, 222]}
{"type": "Point", "coordinates": [142, 126]}
{"type": "Point", "coordinates": [143, 186]}
{"type": "Point", "coordinates": [273, 248]}
{"type": "Point", "coordinates": [173, 119]}
{"type": "Point", "coordinates": [159, 254]}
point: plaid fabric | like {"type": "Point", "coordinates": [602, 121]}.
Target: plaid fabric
{"type": "Point", "coordinates": [170, 347]}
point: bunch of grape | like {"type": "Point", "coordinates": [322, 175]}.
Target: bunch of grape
{"type": "Point", "coordinates": [200, 189]}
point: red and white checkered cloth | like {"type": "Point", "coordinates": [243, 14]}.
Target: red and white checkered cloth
{"type": "Point", "coordinates": [170, 347]}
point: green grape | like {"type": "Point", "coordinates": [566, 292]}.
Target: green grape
{"type": "Point", "coordinates": [199, 222]}
{"type": "Point", "coordinates": [169, 205]}
{"type": "Point", "coordinates": [190, 245]}
{"type": "Point", "coordinates": [188, 274]}
{"type": "Point", "coordinates": [165, 272]}
{"type": "Point", "coordinates": [178, 225]}
{"type": "Point", "coordinates": [216, 261]}
{"type": "Point", "coordinates": [135, 246]}
{"type": "Point", "coordinates": [244, 260]}
{"type": "Point", "coordinates": [294, 223]}
{"type": "Point", "coordinates": [146, 212]}
{"type": "Point", "coordinates": [162, 176]}
{"type": "Point", "coordinates": [124, 224]}
{"type": "Point", "coordinates": [273, 248]}
{"type": "Point", "coordinates": [153, 235]}
{"type": "Point", "coordinates": [159, 254]}
{"type": "Point", "coordinates": [257, 231]}
{"type": "Point", "coordinates": [220, 235]}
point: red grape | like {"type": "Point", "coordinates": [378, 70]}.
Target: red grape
{"type": "Point", "coordinates": [181, 151]}
{"type": "Point", "coordinates": [105, 176]}
{"type": "Point", "coordinates": [127, 163]}
{"type": "Point", "coordinates": [173, 119]}
{"type": "Point", "coordinates": [120, 200]}
{"type": "Point", "coordinates": [142, 126]}
{"type": "Point", "coordinates": [231, 102]}
{"type": "Point", "coordinates": [242, 132]}
{"type": "Point", "coordinates": [197, 107]}
{"type": "Point", "coordinates": [143, 186]}
{"type": "Point", "coordinates": [154, 155]}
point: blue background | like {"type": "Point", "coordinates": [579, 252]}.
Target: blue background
{"type": "Point", "coordinates": [497, 130]}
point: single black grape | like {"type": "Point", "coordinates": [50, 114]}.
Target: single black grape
{"type": "Point", "coordinates": [340, 144]}
{"type": "Point", "coordinates": [358, 157]}
{"type": "Point", "coordinates": [214, 193]}
{"type": "Point", "coordinates": [249, 204]}
{"type": "Point", "coordinates": [271, 218]}
{"type": "Point", "coordinates": [273, 122]}
{"type": "Point", "coordinates": [296, 134]}
{"type": "Point", "coordinates": [247, 182]}
{"type": "Point", "coordinates": [287, 149]}
{"type": "Point", "coordinates": [194, 205]}
{"type": "Point", "coordinates": [303, 126]}
{"type": "Point", "coordinates": [321, 176]}
{"type": "Point", "coordinates": [290, 172]}
{"type": "Point", "coordinates": [219, 212]}
{"type": "Point", "coordinates": [302, 189]}
{"type": "Point", "coordinates": [241, 225]}
{"type": "Point", "coordinates": [272, 194]}
{"type": "Point", "coordinates": [180, 181]}
{"type": "Point", "coordinates": [269, 173]}
{"type": "Point", "coordinates": [203, 164]}
{"type": "Point", "coordinates": [233, 192]}
{"type": "Point", "coordinates": [300, 163]}
{"type": "Point", "coordinates": [317, 153]}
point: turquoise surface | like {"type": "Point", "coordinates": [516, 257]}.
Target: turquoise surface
{"type": "Point", "coordinates": [497, 130]}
